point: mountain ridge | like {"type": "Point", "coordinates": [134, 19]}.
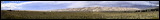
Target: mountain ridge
{"type": "Point", "coordinates": [98, 9]}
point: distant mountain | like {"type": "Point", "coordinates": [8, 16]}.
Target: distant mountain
{"type": "Point", "coordinates": [149, 9]}
{"type": "Point", "coordinates": [98, 9]}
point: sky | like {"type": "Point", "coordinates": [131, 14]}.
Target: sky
{"type": "Point", "coordinates": [52, 5]}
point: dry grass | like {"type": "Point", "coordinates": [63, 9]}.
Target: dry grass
{"type": "Point", "coordinates": [78, 15]}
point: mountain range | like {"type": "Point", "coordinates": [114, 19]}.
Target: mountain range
{"type": "Point", "coordinates": [98, 9]}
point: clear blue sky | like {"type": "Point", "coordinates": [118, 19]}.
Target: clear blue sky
{"type": "Point", "coordinates": [51, 5]}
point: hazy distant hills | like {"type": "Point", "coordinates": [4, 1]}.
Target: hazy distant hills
{"type": "Point", "coordinates": [149, 9]}
{"type": "Point", "coordinates": [98, 9]}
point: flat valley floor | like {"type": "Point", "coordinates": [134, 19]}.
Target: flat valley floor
{"type": "Point", "coordinates": [78, 15]}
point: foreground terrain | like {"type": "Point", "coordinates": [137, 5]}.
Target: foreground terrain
{"type": "Point", "coordinates": [78, 15]}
